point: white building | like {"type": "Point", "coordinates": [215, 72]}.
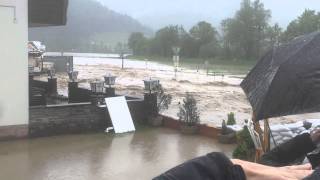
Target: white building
{"type": "Point", "coordinates": [14, 23]}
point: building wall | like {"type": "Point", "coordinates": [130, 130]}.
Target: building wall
{"type": "Point", "coordinates": [14, 67]}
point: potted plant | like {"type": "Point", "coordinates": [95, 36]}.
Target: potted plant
{"type": "Point", "coordinates": [163, 102]}
{"type": "Point", "coordinates": [227, 135]}
{"type": "Point", "coordinates": [231, 119]}
{"type": "Point", "coordinates": [189, 115]}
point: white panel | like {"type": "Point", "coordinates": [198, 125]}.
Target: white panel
{"type": "Point", "coordinates": [14, 106]}
{"type": "Point", "coordinates": [120, 115]}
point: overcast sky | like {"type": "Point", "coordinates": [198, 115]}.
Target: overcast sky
{"type": "Point", "coordinates": [159, 13]}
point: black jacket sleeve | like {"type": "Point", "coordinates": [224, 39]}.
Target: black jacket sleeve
{"type": "Point", "coordinates": [287, 153]}
{"type": "Point", "coordinates": [213, 166]}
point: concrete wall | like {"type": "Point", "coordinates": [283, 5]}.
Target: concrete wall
{"type": "Point", "coordinates": [14, 67]}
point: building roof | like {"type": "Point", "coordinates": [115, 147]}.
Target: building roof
{"type": "Point", "coordinates": [36, 48]}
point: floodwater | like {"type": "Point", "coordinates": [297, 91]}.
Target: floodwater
{"type": "Point", "coordinates": [216, 95]}
{"type": "Point", "coordinates": [136, 156]}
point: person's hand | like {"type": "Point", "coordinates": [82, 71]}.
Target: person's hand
{"type": "Point", "coordinates": [315, 136]}
{"type": "Point", "coordinates": [256, 171]}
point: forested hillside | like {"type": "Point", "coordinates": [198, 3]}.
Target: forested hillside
{"type": "Point", "coordinates": [91, 27]}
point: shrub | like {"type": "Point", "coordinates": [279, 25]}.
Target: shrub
{"type": "Point", "coordinates": [245, 137]}
{"type": "Point", "coordinates": [231, 119]}
{"type": "Point", "coordinates": [241, 152]}
{"type": "Point", "coordinates": [245, 149]}
{"type": "Point", "coordinates": [163, 99]}
{"type": "Point", "coordinates": [188, 111]}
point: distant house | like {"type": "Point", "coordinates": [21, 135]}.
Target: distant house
{"type": "Point", "coordinates": [15, 18]}
{"type": "Point", "coordinates": [35, 54]}
{"type": "Point", "coordinates": [36, 48]}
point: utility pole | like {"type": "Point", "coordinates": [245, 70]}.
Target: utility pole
{"type": "Point", "coordinates": [206, 63]}
{"type": "Point", "coordinates": [122, 58]}
{"type": "Point", "coordinates": [176, 59]}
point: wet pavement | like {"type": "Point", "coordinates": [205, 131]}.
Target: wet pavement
{"type": "Point", "coordinates": [137, 156]}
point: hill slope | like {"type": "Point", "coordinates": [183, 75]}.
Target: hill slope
{"type": "Point", "coordinates": [91, 27]}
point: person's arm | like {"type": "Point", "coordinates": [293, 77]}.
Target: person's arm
{"type": "Point", "coordinates": [216, 166]}
{"type": "Point", "coordinates": [286, 153]}
{"type": "Point", "coordinates": [254, 171]}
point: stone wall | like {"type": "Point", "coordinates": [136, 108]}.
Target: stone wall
{"type": "Point", "coordinates": [77, 94]}
{"type": "Point", "coordinates": [39, 84]}
{"type": "Point", "coordinates": [76, 118]}
{"type": "Point", "coordinates": [66, 119]}
{"type": "Point", "coordinates": [37, 92]}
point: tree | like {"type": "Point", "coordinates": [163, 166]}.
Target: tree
{"type": "Point", "coordinates": [137, 42]}
{"type": "Point", "coordinates": [188, 111]}
{"type": "Point", "coordinates": [163, 99]}
{"type": "Point", "coordinates": [203, 33]}
{"type": "Point", "coordinates": [244, 34]}
{"type": "Point", "coordinates": [229, 40]}
{"type": "Point", "coordinates": [209, 50]}
{"type": "Point", "coordinates": [273, 35]}
{"type": "Point", "coordinates": [308, 22]}
{"type": "Point", "coordinates": [188, 46]}
{"type": "Point", "coordinates": [165, 39]}
{"type": "Point", "coordinates": [261, 18]}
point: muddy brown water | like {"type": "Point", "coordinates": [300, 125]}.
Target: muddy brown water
{"type": "Point", "coordinates": [136, 156]}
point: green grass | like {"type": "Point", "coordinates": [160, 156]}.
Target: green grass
{"type": "Point", "coordinates": [227, 66]}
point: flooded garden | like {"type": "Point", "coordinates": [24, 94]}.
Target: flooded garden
{"type": "Point", "coordinates": [140, 155]}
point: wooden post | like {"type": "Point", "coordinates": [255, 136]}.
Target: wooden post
{"type": "Point", "coordinates": [266, 136]}
{"type": "Point", "coordinates": [257, 128]}
{"type": "Point", "coordinates": [259, 153]}
{"type": "Point", "coordinates": [122, 64]}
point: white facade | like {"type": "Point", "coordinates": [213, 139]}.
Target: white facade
{"type": "Point", "coordinates": [14, 63]}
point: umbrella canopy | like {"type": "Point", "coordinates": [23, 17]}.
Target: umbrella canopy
{"type": "Point", "coordinates": [286, 80]}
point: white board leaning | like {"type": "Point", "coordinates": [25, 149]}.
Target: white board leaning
{"type": "Point", "coordinates": [120, 115]}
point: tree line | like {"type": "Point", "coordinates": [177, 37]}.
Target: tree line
{"type": "Point", "coordinates": [247, 35]}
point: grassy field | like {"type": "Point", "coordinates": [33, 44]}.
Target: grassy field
{"type": "Point", "coordinates": [238, 67]}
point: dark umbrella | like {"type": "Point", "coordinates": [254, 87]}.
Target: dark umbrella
{"type": "Point", "coordinates": [286, 80]}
